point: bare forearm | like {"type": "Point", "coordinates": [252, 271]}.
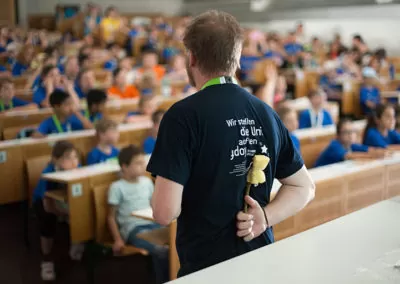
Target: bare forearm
{"type": "Point", "coordinates": [85, 122]}
{"type": "Point", "coordinates": [288, 201]}
{"type": "Point", "coordinates": [112, 225]}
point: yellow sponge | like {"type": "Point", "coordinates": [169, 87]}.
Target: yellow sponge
{"type": "Point", "coordinates": [256, 174]}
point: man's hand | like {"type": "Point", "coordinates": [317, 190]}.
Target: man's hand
{"type": "Point", "coordinates": [252, 224]}
{"type": "Point", "coordinates": [118, 246]}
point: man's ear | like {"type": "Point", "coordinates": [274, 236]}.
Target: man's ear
{"type": "Point", "coordinates": [192, 59]}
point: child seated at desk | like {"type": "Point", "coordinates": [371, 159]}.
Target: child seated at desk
{"type": "Point", "coordinates": [120, 88]}
{"type": "Point", "coordinates": [131, 193]}
{"type": "Point", "coordinates": [150, 64]}
{"type": "Point", "coordinates": [289, 119]}
{"type": "Point", "coordinates": [107, 135]}
{"type": "Point", "coordinates": [150, 142]}
{"type": "Point", "coordinates": [147, 106]}
{"type": "Point", "coordinates": [96, 104]}
{"type": "Point", "coordinates": [8, 101]}
{"type": "Point", "coordinates": [64, 156]}
{"type": "Point", "coordinates": [380, 131]}
{"type": "Point", "coordinates": [345, 148]}
{"type": "Point", "coordinates": [66, 118]}
{"type": "Point", "coordinates": [316, 116]}
{"type": "Point", "coordinates": [369, 93]}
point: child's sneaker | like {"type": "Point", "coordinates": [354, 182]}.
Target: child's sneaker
{"type": "Point", "coordinates": [47, 272]}
{"type": "Point", "coordinates": [76, 251]}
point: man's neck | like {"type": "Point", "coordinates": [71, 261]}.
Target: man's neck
{"type": "Point", "coordinates": [202, 80]}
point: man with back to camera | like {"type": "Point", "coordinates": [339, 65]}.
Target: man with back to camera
{"type": "Point", "coordinates": [205, 147]}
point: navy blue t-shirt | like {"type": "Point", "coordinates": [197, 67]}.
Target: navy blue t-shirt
{"type": "Point", "coordinates": [206, 143]}
{"type": "Point", "coordinates": [44, 185]}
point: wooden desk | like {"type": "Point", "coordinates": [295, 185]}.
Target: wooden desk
{"type": "Point", "coordinates": [337, 252]}
{"type": "Point", "coordinates": [147, 214]}
{"type": "Point", "coordinates": [15, 153]}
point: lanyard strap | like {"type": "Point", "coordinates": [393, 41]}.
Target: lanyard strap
{"type": "Point", "coordinates": [57, 123]}
{"type": "Point", "coordinates": [3, 107]}
{"type": "Point", "coordinates": [317, 119]}
{"type": "Point", "coordinates": [220, 81]}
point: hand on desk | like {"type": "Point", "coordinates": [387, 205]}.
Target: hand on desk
{"type": "Point", "coordinates": [252, 224]}
{"type": "Point", "coordinates": [118, 246]}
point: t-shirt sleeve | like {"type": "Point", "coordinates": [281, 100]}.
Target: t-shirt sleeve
{"type": "Point", "coordinates": [38, 96]}
{"type": "Point", "coordinates": [328, 117]}
{"type": "Point", "coordinates": [374, 139]}
{"type": "Point", "coordinates": [289, 159]}
{"type": "Point", "coordinates": [363, 95]}
{"type": "Point", "coordinates": [172, 155]}
{"type": "Point", "coordinates": [91, 158]}
{"type": "Point", "coordinates": [148, 145]}
{"type": "Point", "coordinates": [114, 195]}
{"type": "Point", "coordinates": [304, 120]}
{"type": "Point", "coordinates": [359, 148]}
{"type": "Point", "coordinates": [18, 102]}
{"type": "Point", "coordinates": [44, 127]}
{"type": "Point", "coordinates": [76, 124]}
{"type": "Point", "coordinates": [395, 137]}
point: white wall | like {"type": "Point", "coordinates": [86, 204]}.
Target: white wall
{"type": "Point", "coordinates": [379, 25]}
{"type": "Point", "coordinates": [167, 7]}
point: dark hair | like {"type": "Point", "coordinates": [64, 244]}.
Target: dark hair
{"type": "Point", "coordinates": [283, 112]}
{"type": "Point", "coordinates": [157, 116]}
{"type": "Point", "coordinates": [111, 45]}
{"type": "Point", "coordinates": [358, 37]}
{"type": "Point", "coordinates": [62, 147]}
{"type": "Point", "coordinates": [95, 97]}
{"type": "Point", "coordinates": [116, 71]}
{"type": "Point", "coordinates": [105, 124]}
{"type": "Point", "coordinates": [127, 154]}
{"type": "Point", "coordinates": [49, 51]}
{"type": "Point", "coordinates": [148, 49]}
{"type": "Point", "coordinates": [46, 70]}
{"type": "Point", "coordinates": [380, 53]}
{"type": "Point", "coordinates": [82, 58]}
{"type": "Point", "coordinates": [376, 114]}
{"type": "Point", "coordinates": [340, 124]}
{"type": "Point", "coordinates": [58, 97]}
{"type": "Point", "coordinates": [215, 39]}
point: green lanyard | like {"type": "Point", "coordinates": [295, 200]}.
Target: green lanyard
{"type": "Point", "coordinates": [57, 123]}
{"type": "Point", "coordinates": [3, 107]}
{"type": "Point", "coordinates": [220, 81]}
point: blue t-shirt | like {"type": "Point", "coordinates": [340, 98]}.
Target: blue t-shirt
{"type": "Point", "coordinates": [369, 94]}
{"type": "Point", "coordinates": [305, 119]}
{"type": "Point", "coordinates": [36, 83]}
{"type": "Point", "coordinates": [296, 141]}
{"type": "Point", "coordinates": [96, 156]}
{"type": "Point", "coordinates": [148, 145]}
{"type": "Point", "coordinates": [374, 138]}
{"type": "Point", "coordinates": [79, 91]}
{"type": "Point", "coordinates": [16, 102]}
{"type": "Point", "coordinates": [3, 49]}
{"type": "Point", "coordinates": [48, 126]}
{"type": "Point", "coordinates": [206, 143]}
{"type": "Point", "coordinates": [111, 65]}
{"type": "Point", "coordinates": [327, 84]}
{"type": "Point", "coordinates": [44, 185]}
{"type": "Point", "coordinates": [39, 95]}
{"type": "Point", "coordinates": [247, 65]}
{"type": "Point", "coordinates": [3, 68]}
{"type": "Point", "coordinates": [336, 153]}
{"type": "Point", "coordinates": [293, 48]}
{"type": "Point", "coordinates": [19, 69]}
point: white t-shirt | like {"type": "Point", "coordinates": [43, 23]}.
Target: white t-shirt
{"type": "Point", "coordinates": [129, 197]}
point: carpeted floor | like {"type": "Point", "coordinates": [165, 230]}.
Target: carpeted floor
{"type": "Point", "coordinates": [20, 264]}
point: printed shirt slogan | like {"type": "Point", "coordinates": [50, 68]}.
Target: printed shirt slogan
{"type": "Point", "coordinates": [249, 141]}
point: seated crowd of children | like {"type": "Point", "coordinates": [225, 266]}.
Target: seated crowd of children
{"type": "Point", "coordinates": [67, 84]}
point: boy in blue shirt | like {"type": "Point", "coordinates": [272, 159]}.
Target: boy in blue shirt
{"type": "Point", "coordinates": [380, 131]}
{"type": "Point", "coordinates": [50, 80]}
{"type": "Point", "coordinates": [64, 157]}
{"type": "Point", "coordinates": [150, 142]}
{"type": "Point", "coordinates": [369, 93]}
{"type": "Point", "coordinates": [316, 116]}
{"type": "Point", "coordinates": [66, 118]}
{"type": "Point", "coordinates": [131, 193]}
{"type": "Point", "coordinates": [96, 105]}
{"type": "Point", "coordinates": [107, 135]}
{"type": "Point", "coordinates": [345, 148]}
{"type": "Point", "coordinates": [290, 120]}
{"type": "Point", "coordinates": [8, 101]}
{"type": "Point", "coordinates": [292, 47]}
